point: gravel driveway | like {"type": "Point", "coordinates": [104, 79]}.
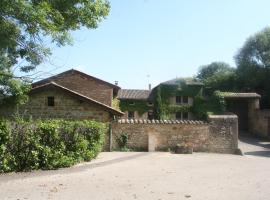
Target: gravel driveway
{"type": "Point", "coordinates": [157, 176]}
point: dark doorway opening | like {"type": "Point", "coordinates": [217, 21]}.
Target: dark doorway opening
{"type": "Point", "coordinates": [240, 108]}
{"type": "Point", "coordinates": [269, 127]}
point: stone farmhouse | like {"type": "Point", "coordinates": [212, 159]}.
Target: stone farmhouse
{"type": "Point", "coordinates": [76, 95]}
{"type": "Point", "coordinates": [177, 95]}
{"type": "Point", "coordinates": [70, 95]}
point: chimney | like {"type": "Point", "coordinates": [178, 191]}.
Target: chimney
{"type": "Point", "coordinates": [149, 86]}
{"type": "Point", "coordinates": [116, 83]}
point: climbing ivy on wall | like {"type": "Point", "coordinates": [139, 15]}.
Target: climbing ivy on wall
{"type": "Point", "coordinates": [213, 105]}
{"type": "Point", "coordinates": [116, 103]}
{"type": "Point", "coordinates": [163, 94]}
{"type": "Point", "coordinates": [135, 105]}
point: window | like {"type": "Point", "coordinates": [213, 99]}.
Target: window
{"type": "Point", "coordinates": [178, 99]}
{"type": "Point", "coordinates": [150, 104]}
{"type": "Point", "coordinates": [178, 115]}
{"type": "Point", "coordinates": [130, 115]}
{"type": "Point", "coordinates": [185, 115]}
{"type": "Point", "coordinates": [50, 101]}
{"type": "Point", "coordinates": [185, 99]}
{"type": "Point", "coordinates": [150, 115]}
{"type": "Point", "coordinates": [131, 103]}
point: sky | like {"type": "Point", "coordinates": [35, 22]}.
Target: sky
{"type": "Point", "coordinates": [152, 41]}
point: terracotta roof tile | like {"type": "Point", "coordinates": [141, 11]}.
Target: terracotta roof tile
{"type": "Point", "coordinates": [240, 95]}
{"type": "Point", "coordinates": [134, 94]}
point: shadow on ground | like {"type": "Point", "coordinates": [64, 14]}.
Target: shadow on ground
{"type": "Point", "coordinates": [74, 169]}
{"type": "Point", "coordinates": [254, 146]}
{"type": "Point", "coordinates": [258, 153]}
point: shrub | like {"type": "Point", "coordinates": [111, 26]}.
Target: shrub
{"type": "Point", "coordinates": [122, 141]}
{"type": "Point", "coordinates": [48, 144]}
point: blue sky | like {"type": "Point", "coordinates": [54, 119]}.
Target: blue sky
{"type": "Point", "coordinates": [161, 38]}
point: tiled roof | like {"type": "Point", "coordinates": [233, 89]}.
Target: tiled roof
{"type": "Point", "coordinates": [134, 94]}
{"type": "Point", "coordinates": [179, 81]}
{"type": "Point", "coordinates": [78, 95]}
{"type": "Point", "coordinates": [239, 95]}
{"type": "Point", "coordinates": [140, 121]}
{"type": "Point", "coordinates": [52, 78]}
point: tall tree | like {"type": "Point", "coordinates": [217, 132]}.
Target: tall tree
{"type": "Point", "coordinates": [217, 76]}
{"type": "Point", "coordinates": [24, 27]}
{"type": "Point", "coordinates": [253, 65]}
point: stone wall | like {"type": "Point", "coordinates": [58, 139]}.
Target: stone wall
{"type": "Point", "coordinates": [66, 107]}
{"type": "Point", "coordinates": [219, 135]}
{"type": "Point", "coordinates": [258, 119]}
{"type": "Point", "coordinates": [259, 123]}
{"type": "Point", "coordinates": [86, 86]}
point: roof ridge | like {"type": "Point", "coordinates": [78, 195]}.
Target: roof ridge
{"type": "Point", "coordinates": [77, 71]}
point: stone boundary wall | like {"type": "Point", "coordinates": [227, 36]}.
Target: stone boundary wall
{"type": "Point", "coordinates": [259, 120]}
{"type": "Point", "coordinates": [219, 134]}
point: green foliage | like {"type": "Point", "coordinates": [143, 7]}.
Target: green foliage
{"type": "Point", "coordinates": [204, 107]}
{"type": "Point", "coordinates": [48, 144]}
{"type": "Point", "coordinates": [5, 158]}
{"type": "Point", "coordinates": [116, 103]}
{"type": "Point", "coordinates": [163, 93]}
{"type": "Point", "coordinates": [135, 105]}
{"type": "Point", "coordinates": [122, 141]}
{"type": "Point", "coordinates": [253, 65]}
{"type": "Point", "coordinates": [25, 25]}
{"type": "Point", "coordinates": [179, 108]}
{"type": "Point", "coordinates": [217, 76]}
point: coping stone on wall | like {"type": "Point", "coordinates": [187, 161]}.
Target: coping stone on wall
{"type": "Point", "coordinates": [139, 121]}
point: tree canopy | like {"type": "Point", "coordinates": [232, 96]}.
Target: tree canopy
{"type": "Point", "coordinates": [253, 65]}
{"type": "Point", "coordinates": [217, 76]}
{"type": "Point", "coordinates": [26, 28]}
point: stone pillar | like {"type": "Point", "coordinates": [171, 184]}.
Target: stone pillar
{"type": "Point", "coordinates": [224, 128]}
{"type": "Point", "coordinates": [253, 108]}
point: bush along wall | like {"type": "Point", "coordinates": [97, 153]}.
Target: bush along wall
{"type": "Point", "coordinates": [51, 144]}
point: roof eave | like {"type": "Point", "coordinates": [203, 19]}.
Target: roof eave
{"type": "Point", "coordinates": [106, 107]}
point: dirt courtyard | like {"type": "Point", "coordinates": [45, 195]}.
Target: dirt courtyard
{"type": "Point", "coordinates": [158, 176]}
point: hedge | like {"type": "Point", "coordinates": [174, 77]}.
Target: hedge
{"type": "Point", "coordinates": [50, 144]}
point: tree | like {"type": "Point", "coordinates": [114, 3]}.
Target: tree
{"type": "Point", "coordinates": [253, 65]}
{"type": "Point", "coordinates": [25, 25]}
{"type": "Point", "coordinates": [217, 76]}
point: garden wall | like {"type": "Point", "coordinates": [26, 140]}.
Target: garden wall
{"type": "Point", "coordinates": [219, 134]}
{"type": "Point", "coordinates": [260, 123]}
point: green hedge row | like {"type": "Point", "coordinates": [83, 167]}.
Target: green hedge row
{"type": "Point", "coordinates": [48, 144]}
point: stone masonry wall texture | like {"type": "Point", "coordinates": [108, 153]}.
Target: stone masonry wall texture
{"type": "Point", "coordinates": [219, 135]}
{"type": "Point", "coordinates": [259, 123]}
{"type": "Point", "coordinates": [86, 86]}
{"type": "Point", "coordinates": [66, 107]}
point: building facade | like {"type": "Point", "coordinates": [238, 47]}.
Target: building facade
{"type": "Point", "coordinates": [172, 99]}
{"type": "Point", "coordinates": [69, 95]}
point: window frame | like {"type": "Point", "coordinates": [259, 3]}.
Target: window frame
{"type": "Point", "coordinates": [183, 114]}
{"type": "Point", "coordinates": [50, 101]}
{"type": "Point", "coordinates": [178, 99]}
{"type": "Point", "coordinates": [132, 113]}
{"type": "Point", "coordinates": [177, 115]}
{"type": "Point", "coordinates": [185, 99]}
